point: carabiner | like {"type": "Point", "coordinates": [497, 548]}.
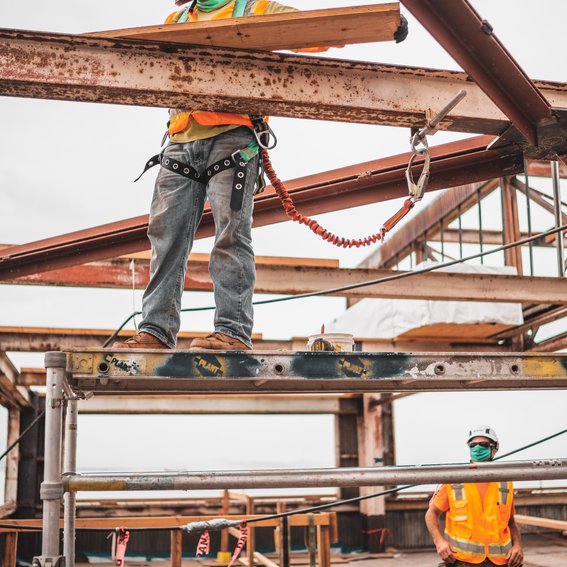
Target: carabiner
{"type": "Point", "coordinates": [265, 130]}
{"type": "Point", "coordinates": [416, 190]}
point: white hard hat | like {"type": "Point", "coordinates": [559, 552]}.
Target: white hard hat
{"type": "Point", "coordinates": [483, 431]}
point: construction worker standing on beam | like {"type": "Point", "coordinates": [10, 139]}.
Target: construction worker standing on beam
{"type": "Point", "coordinates": [214, 156]}
{"type": "Point", "coordinates": [479, 517]}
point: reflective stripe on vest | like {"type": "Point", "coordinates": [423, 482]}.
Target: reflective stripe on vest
{"type": "Point", "coordinates": [503, 489]}
{"type": "Point", "coordinates": [458, 491]}
{"type": "Point", "coordinates": [499, 550]}
{"type": "Point", "coordinates": [469, 547]}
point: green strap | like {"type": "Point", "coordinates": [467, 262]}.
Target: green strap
{"type": "Point", "coordinates": [251, 150]}
{"type": "Point", "coordinates": [239, 7]}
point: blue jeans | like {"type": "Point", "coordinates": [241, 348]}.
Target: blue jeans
{"type": "Point", "coordinates": [176, 210]}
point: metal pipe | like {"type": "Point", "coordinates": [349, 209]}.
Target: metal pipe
{"type": "Point", "coordinates": [52, 487]}
{"type": "Point", "coordinates": [69, 498]}
{"type": "Point", "coordinates": [480, 239]}
{"type": "Point", "coordinates": [529, 214]}
{"type": "Point", "coordinates": [295, 478]}
{"type": "Point", "coordinates": [558, 218]}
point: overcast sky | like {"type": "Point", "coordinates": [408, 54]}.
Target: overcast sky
{"type": "Point", "coordinates": [59, 173]}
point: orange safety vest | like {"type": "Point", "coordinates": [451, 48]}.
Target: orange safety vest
{"type": "Point", "coordinates": [180, 120]}
{"type": "Point", "coordinates": [479, 530]}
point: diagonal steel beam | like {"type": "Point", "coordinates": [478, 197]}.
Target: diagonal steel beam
{"type": "Point", "coordinates": [451, 165]}
{"type": "Point", "coordinates": [471, 42]}
{"type": "Point", "coordinates": [79, 68]}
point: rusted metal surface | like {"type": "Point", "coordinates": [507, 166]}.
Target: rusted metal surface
{"type": "Point", "coordinates": [539, 168]}
{"type": "Point", "coordinates": [43, 339]}
{"type": "Point", "coordinates": [139, 371]}
{"type": "Point", "coordinates": [281, 279]}
{"type": "Point", "coordinates": [554, 344]}
{"type": "Point", "coordinates": [79, 68]}
{"type": "Point", "coordinates": [452, 164]}
{"type": "Point", "coordinates": [511, 225]}
{"type": "Point", "coordinates": [471, 42]}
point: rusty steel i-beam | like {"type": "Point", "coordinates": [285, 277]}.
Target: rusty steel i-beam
{"type": "Point", "coordinates": [81, 68]}
{"type": "Point", "coordinates": [452, 164]}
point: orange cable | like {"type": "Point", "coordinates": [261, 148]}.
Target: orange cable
{"type": "Point", "coordinates": [296, 216]}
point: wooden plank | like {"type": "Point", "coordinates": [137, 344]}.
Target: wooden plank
{"type": "Point", "coordinates": [541, 522]}
{"type": "Point", "coordinates": [322, 519]}
{"type": "Point", "coordinates": [176, 548]}
{"type": "Point", "coordinates": [295, 30]}
{"type": "Point", "coordinates": [324, 546]}
{"type": "Point", "coordinates": [455, 332]}
{"type": "Point", "coordinates": [10, 549]}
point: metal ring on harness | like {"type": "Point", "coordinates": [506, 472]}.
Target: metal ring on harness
{"type": "Point", "coordinates": [263, 129]}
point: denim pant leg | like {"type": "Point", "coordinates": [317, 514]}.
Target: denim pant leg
{"type": "Point", "coordinates": [232, 266]}
{"type": "Point", "coordinates": [177, 207]}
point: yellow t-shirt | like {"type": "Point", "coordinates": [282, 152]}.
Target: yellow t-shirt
{"type": "Point", "coordinates": [195, 131]}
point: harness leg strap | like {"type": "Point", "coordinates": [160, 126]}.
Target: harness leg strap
{"type": "Point", "coordinates": [238, 184]}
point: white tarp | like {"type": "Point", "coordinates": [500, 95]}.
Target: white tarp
{"type": "Point", "coordinates": [389, 318]}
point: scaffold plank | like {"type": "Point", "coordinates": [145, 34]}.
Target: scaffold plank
{"type": "Point", "coordinates": [296, 30]}
{"type": "Point", "coordinates": [147, 371]}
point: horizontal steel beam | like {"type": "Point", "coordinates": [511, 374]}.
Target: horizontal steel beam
{"type": "Point", "coordinates": [471, 42]}
{"type": "Point", "coordinates": [288, 279]}
{"type": "Point", "coordinates": [42, 339]}
{"type": "Point", "coordinates": [11, 395]}
{"type": "Point", "coordinates": [474, 236]}
{"type": "Point", "coordinates": [220, 405]}
{"type": "Point", "coordinates": [80, 68]}
{"type": "Point", "coordinates": [453, 164]}
{"type": "Point", "coordinates": [138, 372]}
{"type": "Point", "coordinates": [549, 469]}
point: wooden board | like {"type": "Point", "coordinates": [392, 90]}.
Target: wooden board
{"type": "Point", "coordinates": [295, 30]}
{"type": "Point", "coordinates": [550, 523]}
{"type": "Point", "coordinates": [454, 332]}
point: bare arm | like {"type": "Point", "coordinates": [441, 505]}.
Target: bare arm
{"type": "Point", "coordinates": [444, 550]}
{"type": "Point", "coordinates": [515, 556]}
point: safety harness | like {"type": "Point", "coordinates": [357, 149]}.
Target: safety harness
{"type": "Point", "coordinates": [263, 134]}
{"type": "Point", "coordinates": [237, 160]}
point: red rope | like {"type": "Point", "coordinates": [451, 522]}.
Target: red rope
{"type": "Point", "coordinates": [296, 216]}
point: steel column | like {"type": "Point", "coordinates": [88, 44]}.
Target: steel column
{"type": "Point", "coordinates": [52, 487]}
{"type": "Point", "coordinates": [70, 467]}
{"type": "Point", "coordinates": [297, 478]}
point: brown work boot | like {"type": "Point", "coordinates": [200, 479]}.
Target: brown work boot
{"type": "Point", "coordinates": [218, 341]}
{"type": "Point", "coordinates": [140, 340]}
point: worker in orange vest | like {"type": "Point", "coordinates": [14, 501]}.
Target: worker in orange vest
{"type": "Point", "coordinates": [214, 156]}
{"type": "Point", "coordinates": [479, 517]}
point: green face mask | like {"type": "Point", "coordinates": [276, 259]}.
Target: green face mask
{"type": "Point", "coordinates": [479, 453]}
{"type": "Point", "coordinates": [210, 5]}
